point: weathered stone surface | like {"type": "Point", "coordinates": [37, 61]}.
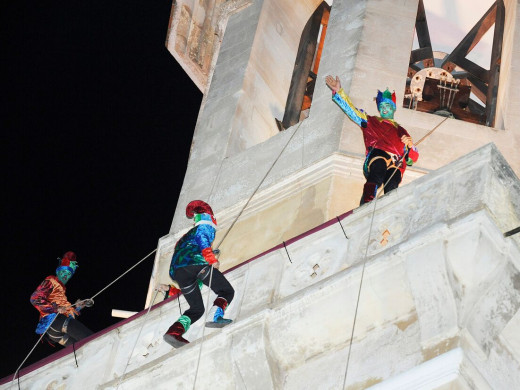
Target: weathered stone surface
{"type": "Point", "coordinates": [439, 303]}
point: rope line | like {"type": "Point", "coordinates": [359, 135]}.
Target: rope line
{"type": "Point", "coordinates": [75, 358]}
{"type": "Point", "coordinates": [124, 273]}
{"type": "Point", "coordinates": [72, 305]}
{"type": "Point", "coordinates": [340, 224]}
{"type": "Point", "coordinates": [259, 185]}
{"type": "Point", "coordinates": [399, 163]}
{"type": "Point", "coordinates": [286, 251]}
{"type": "Point", "coordinates": [359, 292]}
{"type": "Point", "coordinates": [30, 352]}
{"type": "Point", "coordinates": [203, 328]}
{"type": "Point", "coordinates": [136, 340]}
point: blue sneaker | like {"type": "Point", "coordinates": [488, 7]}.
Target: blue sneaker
{"type": "Point", "coordinates": [218, 319]}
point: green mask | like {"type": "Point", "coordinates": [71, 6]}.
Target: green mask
{"type": "Point", "coordinates": [386, 110]}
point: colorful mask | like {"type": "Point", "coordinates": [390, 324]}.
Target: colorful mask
{"type": "Point", "coordinates": [67, 267]}
{"type": "Point", "coordinates": [201, 218]}
{"type": "Point", "coordinates": [63, 274]}
{"type": "Point", "coordinates": [386, 97]}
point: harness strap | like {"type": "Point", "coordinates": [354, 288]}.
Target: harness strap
{"type": "Point", "coordinates": [390, 162]}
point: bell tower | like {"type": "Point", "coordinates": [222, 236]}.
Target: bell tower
{"type": "Point", "coordinates": [417, 289]}
{"type": "Point", "coordinates": [252, 57]}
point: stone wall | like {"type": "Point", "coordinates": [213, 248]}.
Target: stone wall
{"type": "Point", "coordinates": [439, 303]}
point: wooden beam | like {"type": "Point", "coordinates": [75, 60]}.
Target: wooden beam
{"type": "Point", "coordinates": [479, 88]}
{"type": "Point", "coordinates": [473, 37]}
{"type": "Point", "coordinates": [494, 67]}
{"type": "Point", "coordinates": [472, 68]}
{"type": "Point", "coordinates": [302, 66]}
{"type": "Point", "coordinates": [422, 54]}
{"type": "Point", "coordinates": [423, 37]}
{"type": "Point", "coordinates": [476, 108]}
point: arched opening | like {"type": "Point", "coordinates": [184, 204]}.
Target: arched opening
{"type": "Point", "coordinates": [306, 66]}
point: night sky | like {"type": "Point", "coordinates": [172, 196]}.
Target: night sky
{"type": "Point", "coordinates": [97, 121]}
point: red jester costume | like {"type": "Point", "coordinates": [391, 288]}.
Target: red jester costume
{"type": "Point", "coordinates": [389, 147]}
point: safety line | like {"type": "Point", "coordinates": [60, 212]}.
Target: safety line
{"type": "Point", "coordinates": [286, 251]}
{"type": "Point", "coordinates": [136, 340]}
{"type": "Point", "coordinates": [511, 232]}
{"type": "Point", "coordinates": [74, 349]}
{"type": "Point", "coordinates": [203, 327]}
{"type": "Point", "coordinates": [359, 292]}
{"type": "Point", "coordinates": [258, 187]}
{"type": "Point", "coordinates": [399, 163]}
{"type": "Point", "coordinates": [340, 224]}
{"type": "Point", "coordinates": [123, 274]}
{"type": "Point", "coordinates": [30, 352]}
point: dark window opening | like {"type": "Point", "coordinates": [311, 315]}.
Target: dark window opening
{"type": "Point", "coordinates": [306, 66]}
{"type": "Point", "coordinates": [446, 84]}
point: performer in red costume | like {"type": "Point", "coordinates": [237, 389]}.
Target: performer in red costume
{"type": "Point", "coordinates": [389, 147]}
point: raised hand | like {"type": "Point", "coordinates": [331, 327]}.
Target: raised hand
{"type": "Point", "coordinates": [333, 83]}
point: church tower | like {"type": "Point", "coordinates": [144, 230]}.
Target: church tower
{"type": "Point", "coordinates": [262, 67]}
{"type": "Point", "coordinates": [419, 289]}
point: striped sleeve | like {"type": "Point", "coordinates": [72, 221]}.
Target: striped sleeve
{"type": "Point", "coordinates": [344, 102]}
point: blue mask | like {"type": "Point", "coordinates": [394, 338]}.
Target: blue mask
{"type": "Point", "coordinates": [64, 274]}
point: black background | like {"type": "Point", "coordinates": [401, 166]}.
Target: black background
{"type": "Point", "coordinates": [97, 122]}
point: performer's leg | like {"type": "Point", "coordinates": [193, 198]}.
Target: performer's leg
{"type": "Point", "coordinates": [186, 277]}
{"type": "Point", "coordinates": [54, 332]}
{"type": "Point", "coordinates": [219, 284]}
{"type": "Point", "coordinates": [75, 330]}
{"type": "Point", "coordinates": [375, 178]}
{"type": "Point", "coordinates": [392, 179]}
{"type": "Point", "coordinates": [225, 294]}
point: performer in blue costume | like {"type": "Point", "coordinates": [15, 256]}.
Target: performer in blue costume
{"type": "Point", "coordinates": [191, 262]}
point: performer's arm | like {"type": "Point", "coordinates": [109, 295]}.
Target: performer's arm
{"type": "Point", "coordinates": [344, 102]}
{"type": "Point", "coordinates": [204, 237]}
{"type": "Point", "coordinates": [40, 298]}
{"type": "Point", "coordinates": [413, 152]}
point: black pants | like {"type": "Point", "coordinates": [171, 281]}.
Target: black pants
{"type": "Point", "coordinates": [379, 173]}
{"type": "Point", "coordinates": [187, 277]}
{"type": "Point", "coordinates": [66, 330]}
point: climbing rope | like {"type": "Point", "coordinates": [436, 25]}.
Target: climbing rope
{"type": "Point", "coordinates": [136, 339]}
{"type": "Point", "coordinates": [123, 274]}
{"type": "Point", "coordinates": [259, 185]}
{"type": "Point", "coordinates": [203, 328]}
{"type": "Point", "coordinates": [29, 354]}
{"type": "Point", "coordinates": [84, 300]}
{"type": "Point", "coordinates": [398, 165]}
{"type": "Point", "coordinates": [227, 233]}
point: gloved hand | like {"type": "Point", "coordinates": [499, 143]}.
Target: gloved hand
{"type": "Point", "coordinates": [407, 141]}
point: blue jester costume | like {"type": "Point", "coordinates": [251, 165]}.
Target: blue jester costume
{"type": "Point", "coordinates": [191, 266]}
